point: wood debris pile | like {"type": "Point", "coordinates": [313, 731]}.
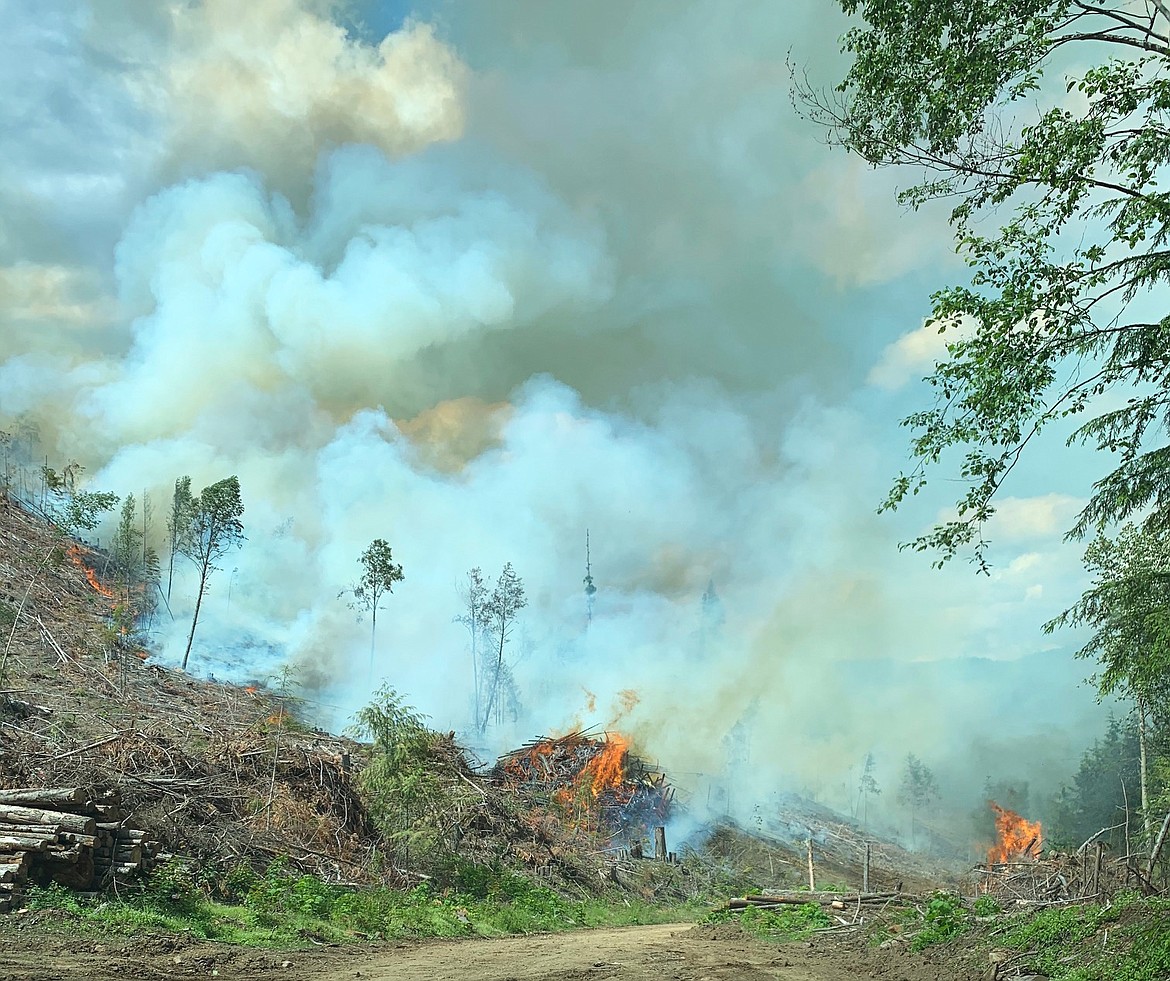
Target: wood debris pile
{"type": "Point", "coordinates": [214, 771]}
{"type": "Point", "coordinates": [73, 836]}
{"type": "Point", "coordinates": [594, 781]}
{"type": "Point", "coordinates": [1059, 877]}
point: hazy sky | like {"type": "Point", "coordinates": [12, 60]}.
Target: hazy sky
{"type": "Point", "coordinates": [477, 277]}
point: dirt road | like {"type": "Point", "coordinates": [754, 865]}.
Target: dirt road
{"type": "Point", "coordinates": [649, 953]}
{"type": "Point", "coordinates": [653, 953]}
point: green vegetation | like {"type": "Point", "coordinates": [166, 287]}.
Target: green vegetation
{"type": "Point", "coordinates": [944, 919]}
{"type": "Point", "coordinates": [213, 528]}
{"type": "Point", "coordinates": [379, 574]}
{"type": "Point", "coordinates": [280, 909]}
{"type": "Point", "coordinates": [410, 796]}
{"type": "Point", "coordinates": [986, 906]}
{"type": "Point", "coordinates": [1069, 943]}
{"type": "Point", "coordinates": [1127, 939]}
{"type": "Point", "coordinates": [776, 925]}
{"type": "Point", "coordinates": [1061, 212]}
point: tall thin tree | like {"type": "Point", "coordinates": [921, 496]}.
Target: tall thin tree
{"type": "Point", "coordinates": [379, 574]}
{"type": "Point", "coordinates": [214, 529]}
{"type": "Point", "coordinates": [590, 587]}
{"type": "Point", "coordinates": [474, 616]}
{"type": "Point", "coordinates": [506, 600]}
{"type": "Point", "coordinates": [178, 525]}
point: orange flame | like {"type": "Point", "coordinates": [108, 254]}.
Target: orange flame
{"type": "Point", "coordinates": [74, 554]}
{"type": "Point", "coordinates": [607, 770]}
{"type": "Point", "coordinates": [1018, 837]}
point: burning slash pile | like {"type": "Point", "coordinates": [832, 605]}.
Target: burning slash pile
{"type": "Point", "coordinates": [1013, 870]}
{"type": "Point", "coordinates": [1017, 837]}
{"type": "Point", "coordinates": [596, 783]}
{"type": "Point", "coordinates": [1016, 871]}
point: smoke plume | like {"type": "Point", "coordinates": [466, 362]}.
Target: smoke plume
{"type": "Point", "coordinates": [477, 282]}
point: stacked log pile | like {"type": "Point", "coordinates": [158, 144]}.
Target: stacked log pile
{"type": "Point", "coordinates": [72, 836]}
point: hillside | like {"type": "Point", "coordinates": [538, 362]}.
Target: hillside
{"type": "Point", "coordinates": [229, 774]}
{"type": "Point", "coordinates": [221, 773]}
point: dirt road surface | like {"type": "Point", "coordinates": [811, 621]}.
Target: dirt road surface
{"type": "Point", "coordinates": [648, 953]}
{"type": "Point", "coordinates": [653, 953]}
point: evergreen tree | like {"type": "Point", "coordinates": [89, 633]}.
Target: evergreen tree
{"type": "Point", "coordinates": [918, 790]}
{"type": "Point", "coordinates": [178, 525]}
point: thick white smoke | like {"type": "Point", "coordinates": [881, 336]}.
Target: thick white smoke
{"type": "Point", "coordinates": [478, 294]}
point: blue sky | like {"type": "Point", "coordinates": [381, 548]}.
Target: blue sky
{"type": "Point", "coordinates": [475, 278]}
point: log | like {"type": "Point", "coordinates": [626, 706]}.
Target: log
{"type": "Point", "coordinates": [30, 829]}
{"type": "Point", "coordinates": [24, 843]}
{"type": "Point", "coordinates": [66, 856]}
{"type": "Point", "coordinates": [774, 901]}
{"type": "Point", "coordinates": [129, 856]}
{"type": "Point", "coordinates": [41, 796]}
{"type": "Point", "coordinates": [821, 898]}
{"type": "Point", "coordinates": [13, 814]}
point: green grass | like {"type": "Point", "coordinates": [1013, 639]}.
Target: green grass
{"type": "Point", "coordinates": [1069, 943]}
{"type": "Point", "coordinates": [282, 910]}
{"type": "Point", "coordinates": [944, 919]}
{"type": "Point", "coordinates": [776, 925]}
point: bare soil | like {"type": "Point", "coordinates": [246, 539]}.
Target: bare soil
{"type": "Point", "coordinates": [39, 947]}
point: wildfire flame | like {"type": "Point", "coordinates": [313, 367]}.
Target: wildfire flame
{"type": "Point", "coordinates": [607, 770]}
{"type": "Point", "coordinates": [74, 553]}
{"type": "Point", "coordinates": [1018, 837]}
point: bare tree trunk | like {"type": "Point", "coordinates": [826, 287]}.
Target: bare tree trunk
{"type": "Point", "coordinates": [475, 670]}
{"type": "Point", "coordinates": [1143, 735]}
{"type": "Point", "coordinates": [373, 635]}
{"type": "Point", "coordinates": [198, 606]}
{"type": "Point", "coordinates": [171, 567]}
{"type": "Point", "coordinates": [495, 688]}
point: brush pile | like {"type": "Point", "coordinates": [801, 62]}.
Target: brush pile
{"type": "Point", "coordinates": [73, 836]}
{"type": "Point", "coordinates": [595, 782]}
{"type": "Point", "coordinates": [1059, 877]}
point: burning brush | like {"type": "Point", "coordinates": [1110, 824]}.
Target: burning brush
{"type": "Point", "coordinates": [596, 781]}
{"type": "Point", "coordinates": [1017, 837]}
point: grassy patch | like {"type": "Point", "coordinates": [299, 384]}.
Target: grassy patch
{"type": "Point", "coordinates": [777, 925]}
{"type": "Point", "coordinates": [1126, 940]}
{"type": "Point", "coordinates": [944, 919]}
{"type": "Point", "coordinates": [279, 909]}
